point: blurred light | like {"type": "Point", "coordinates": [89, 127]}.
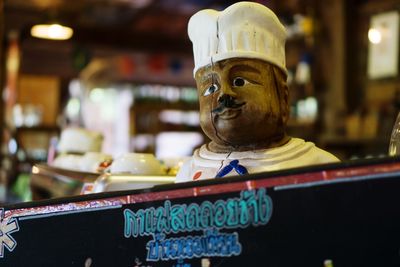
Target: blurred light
{"type": "Point", "coordinates": [191, 118]}
{"type": "Point", "coordinates": [12, 146]}
{"type": "Point", "coordinates": [177, 144]}
{"type": "Point", "coordinates": [143, 141]}
{"type": "Point", "coordinates": [307, 109]}
{"type": "Point", "coordinates": [73, 108]}
{"type": "Point", "coordinates": [139, 3]}
{"type": "Point", "coordinates": [52, 31]}
{"type": "Point", "coordinates": [374, 36]}
{"type": "Point", "coordinates": [97, 95]}
{"type": "Point", "coordinates": [75, 88]}
{"type": "Point", "coordinates": [35, 170]}
{"type": "Point", "coordinates": [312, 106]}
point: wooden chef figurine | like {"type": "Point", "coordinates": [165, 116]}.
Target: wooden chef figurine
{"type": "Point", "coordinates": [240, 73]}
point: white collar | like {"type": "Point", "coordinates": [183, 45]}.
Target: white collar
{"type": "Point", "coordinates": [290, 150]}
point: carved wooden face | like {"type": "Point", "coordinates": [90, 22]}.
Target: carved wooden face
{"type": "Point", "coordinates": [243, 102]}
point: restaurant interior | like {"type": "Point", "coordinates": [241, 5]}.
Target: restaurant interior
{"type": "Point", "coordinates": [127, 72]}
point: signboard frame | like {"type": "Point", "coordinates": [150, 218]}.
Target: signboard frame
{"type": "Point", "coordinates": [312, 215]}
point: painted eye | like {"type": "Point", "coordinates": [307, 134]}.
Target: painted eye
{"type": "Point", "coordinates": [213, 88]}
{"type": "Point", "coordinates": [239, 81]}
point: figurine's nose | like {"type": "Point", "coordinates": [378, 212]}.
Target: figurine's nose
{"type": "Point", "coordinates": [226, 92]}
{"type": "Point", "coordinates": [226, 100]}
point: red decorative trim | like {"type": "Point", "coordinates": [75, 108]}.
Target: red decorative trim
{"type": "Point", "coordinates": [340, 175]}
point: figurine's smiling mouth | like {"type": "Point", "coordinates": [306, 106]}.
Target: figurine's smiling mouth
{"type": "Point", "coordinates": [231, 105]}
{"type": "Point", "coordinates": [228, 110]}
{"type": "Point", "coordinates": [229, 113]}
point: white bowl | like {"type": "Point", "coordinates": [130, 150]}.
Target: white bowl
{"type": "Point", "coordinates": [67, 161]}
{"type": "Point", "coordinates": [91, 160]}
{"type": "Point", "coordinates": [137, 163]}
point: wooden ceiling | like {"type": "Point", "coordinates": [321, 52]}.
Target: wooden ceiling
{"type": "Point", "coordinates": [107, 27]}
{"type": "Point", "coordinates": [103, 27]}
{"type": "Point", "coordinates": [132, 24]}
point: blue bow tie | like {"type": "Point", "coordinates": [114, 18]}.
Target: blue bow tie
{"type": "Point", "coordinates": [234, 164]}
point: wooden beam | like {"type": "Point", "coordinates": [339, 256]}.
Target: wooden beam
{"type": "Point", "coordinates": [2, 72]}
{"type": "Point", "coordinates": [373, 7]}
{"type": "Point", "coordinates": [330, 61]}
{"type": "Point", "coordinates": [133, 41]}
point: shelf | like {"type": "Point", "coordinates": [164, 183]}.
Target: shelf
{"type": "Point", "coordinates": [296, 123]}
{"type": "Point", "coordinates": [347, 148]}
{"type": "Point", "coordinates": [149, 106]}
{"type": "Point", "coordinates": [39, 128]}
{"type": "Point", "coordinates": [352, 142]}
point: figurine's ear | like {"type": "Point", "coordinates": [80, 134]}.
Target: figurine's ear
{"type": "Point", "coordinates": [283, 92]}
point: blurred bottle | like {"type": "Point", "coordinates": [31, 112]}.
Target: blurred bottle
{"type": "Point", "coordinates": [3, 186]}
{"type": "Point", "coordinates": [394, 145]}
{"type": "Point", "coordinates": [51, 153]}
{"type": "Point", "coordinates": [328, 263]}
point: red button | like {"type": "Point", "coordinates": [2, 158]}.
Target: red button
{"type": "Point", "coordinates": [197, 175]}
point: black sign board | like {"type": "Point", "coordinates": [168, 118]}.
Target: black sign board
{"type": "Point", "coordinates": [333, 215]}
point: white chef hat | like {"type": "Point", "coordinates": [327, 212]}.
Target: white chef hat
{"type": "Point", "coordinates": [244, 29]}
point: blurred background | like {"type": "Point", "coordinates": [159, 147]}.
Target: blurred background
{"type": "Point", "coordinates": [125, 70]}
